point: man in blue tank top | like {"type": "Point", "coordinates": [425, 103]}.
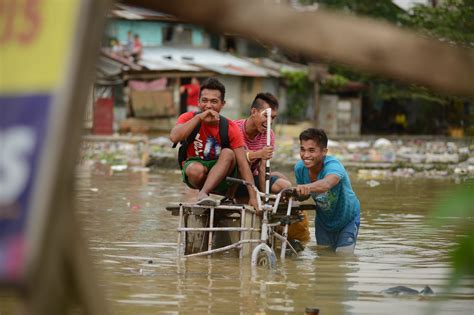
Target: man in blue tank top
{"type": "Point", "coordinates": [324, 178]}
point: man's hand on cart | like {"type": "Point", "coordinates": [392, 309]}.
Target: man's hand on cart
{"type": "Point", "coordinates": [253, 197]}
{"type": "Point", "coordinates": [287, 193]}
{"type": "Point", "coordinates": [284, 195]}
{"type": "Point", "coordinates": [303, 191]}
{"type": "Point", "coordinates": [254, 203]}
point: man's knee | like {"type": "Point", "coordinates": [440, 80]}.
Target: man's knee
{"type": "Point", "coordinates": [280, 184]}
{"type": "Point", "coordinates": [347, 239]}
{"type": "Point", "coordinates": [196, 174]}
{"type": "Point", "coordinates": [227, 154]}
{"type": "Point", "coordinates": [228, 157]}
{"type": "Point", "coordinates": [345, 250]}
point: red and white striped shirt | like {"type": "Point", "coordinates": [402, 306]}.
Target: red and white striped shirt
{"type": "Point", "coordinates": [256, 143]}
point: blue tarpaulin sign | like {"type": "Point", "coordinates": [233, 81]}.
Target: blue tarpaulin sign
{"type": "Point", "coordinates": [23, 124]}
{"type": "Point", "coordinates": [35, 47]}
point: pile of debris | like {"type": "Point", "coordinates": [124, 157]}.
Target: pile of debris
{"type": "Point", "coordinates": [372, 159]}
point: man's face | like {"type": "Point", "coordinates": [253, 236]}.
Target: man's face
{"type": "Point", "coordinates": [260, 117]}
{"type": "Point", "coordinates": [311, 153]}
{"type": "Point", "coordinates": [211, 99]}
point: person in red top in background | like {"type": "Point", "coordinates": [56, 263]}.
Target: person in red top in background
{"type": "Point", "coordinates": [137, 48]}
{"type": "Point", "coordinates": [192, 89]}
{"type": "Point", "coordinates": [207, 163]}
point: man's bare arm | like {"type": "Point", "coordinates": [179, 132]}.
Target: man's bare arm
{"type": "Point", "coordinates": [265, 153]}
{"type": "Point", "coordinates": [319, 186]}
{"type": "Point", "coordinates": [181, 131]}
{"type": "Point", "coordinates": [244, 170]}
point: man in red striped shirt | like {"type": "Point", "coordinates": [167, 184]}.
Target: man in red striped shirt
{"type": "Point", "coordinates": [254, 132]}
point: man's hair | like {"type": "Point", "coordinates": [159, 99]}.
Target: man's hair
{"type": "Point", "coordinates": [213, 84]}
{"type": "Point", "coordinates": [268, 98]}
{"type": "Point", "coordinates": [315, 134]}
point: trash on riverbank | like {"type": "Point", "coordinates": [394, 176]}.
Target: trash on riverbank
{"type": "Point", "coordinates": [372, 158]}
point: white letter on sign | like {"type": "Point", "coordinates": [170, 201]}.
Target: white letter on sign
{"type": "Point", "coordinates": [16, 145]}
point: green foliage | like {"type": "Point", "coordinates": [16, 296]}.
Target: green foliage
{"type": "Point", "coordinates": [462, 259]}
{"type": "Point", "coordinates": [299, 89]}
{"type": "Point", "coordinates": [450, 20]}
{"type": "Point", "coordinates": [459, 206]}
{"type": "Point", "coordinates": [380, 9]}
{"type": "Point", "coordinates": [334, 83]}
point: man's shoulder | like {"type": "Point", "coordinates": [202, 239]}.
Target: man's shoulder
{"type": "Point", "coordinates": [232, 123]}
{"type": "Point", "coordinates": [299, 171]}
{"type": "Point", "coordinates": [239, 122]}
{"type": "Point", "coordinates": [331, 159]}
{"type": "Point", "coordinates": [233, 127]}
{"type": "Point", "coordinates": [185, 117]}
{"type": "Point", "coordinates": [235, 135]}
{"type": "Point", "coordinates": [187, 114]}
{"type": "Point", "coordinates": [332, 164]}
{"type": "Point", "coordinates": [299, 165]}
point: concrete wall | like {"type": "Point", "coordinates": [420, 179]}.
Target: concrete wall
{"type": "Point", "coordinates": [253, 86]}
{"type": "Point", "coordinates": [233, 86]}
{"type": "Point", "coordinates": [340, 115]}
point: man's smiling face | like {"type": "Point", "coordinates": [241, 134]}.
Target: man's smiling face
{"type": "Point", "coordinates": [311, 153]}
{"type": "Point", "coordinates": [260, 117]}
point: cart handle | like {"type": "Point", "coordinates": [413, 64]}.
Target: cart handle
{"type": "Point", "coordinates": [291, 191]}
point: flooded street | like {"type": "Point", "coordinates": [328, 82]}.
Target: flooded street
{"type": "Point", "coordinates": [133, 242]}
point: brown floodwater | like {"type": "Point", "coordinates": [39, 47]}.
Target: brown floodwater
{"type": "Point", "coordinates": [132, 239]}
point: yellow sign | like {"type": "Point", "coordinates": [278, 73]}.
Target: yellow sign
{"type": "Point", "coordinates": [35, 42]}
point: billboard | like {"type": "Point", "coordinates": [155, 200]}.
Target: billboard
{"type": "Point", "coordinates": [36, 38]}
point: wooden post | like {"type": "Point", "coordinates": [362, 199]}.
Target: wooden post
{"type": "Point", "coordinates": [315, 75]}
{"type": "Point", "coordinates": [60, 273]}
{"type": "Point", "coordinates": [316, 101]}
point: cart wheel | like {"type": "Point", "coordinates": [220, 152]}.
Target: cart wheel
{"type": "Point", "coordinates": [266, 259]}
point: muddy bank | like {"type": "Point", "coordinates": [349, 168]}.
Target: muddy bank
{"type": "Point", "coordinates": [370, 157]}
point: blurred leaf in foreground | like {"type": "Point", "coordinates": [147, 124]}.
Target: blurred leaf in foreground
{"type": "Point", "coordinates": [458, 208]}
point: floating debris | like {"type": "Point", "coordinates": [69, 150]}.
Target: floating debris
{"type": "Point", "coordinates": [373, 183]}
{"type": "Point", "coordinates": [374, 159]}
{"type": "Point", "coordinates": [402, 290]}
{"type": "Point", "coordinates": [119, 168]}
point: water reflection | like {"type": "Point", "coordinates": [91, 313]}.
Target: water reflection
{"type": "Point", "coordinates": [133, 240]}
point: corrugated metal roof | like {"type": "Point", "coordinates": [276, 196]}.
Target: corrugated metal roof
{"type": "Point", "coordinates": [201, 59]}
{"type": "Point", "coordinates": [121, 59]}
{"type": "Point", "coordinates": [164, 64]}
{"type": "Point", "coordinates": [108, 71]}
{"type": "Point", "coordinates": [126, 15]}
{"type": "Point", "coordinates": [129, 12]}
{"type": "Point", "coordinates": [108, 67]}
{"type": "Point", "coordinates": [280, 66]}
